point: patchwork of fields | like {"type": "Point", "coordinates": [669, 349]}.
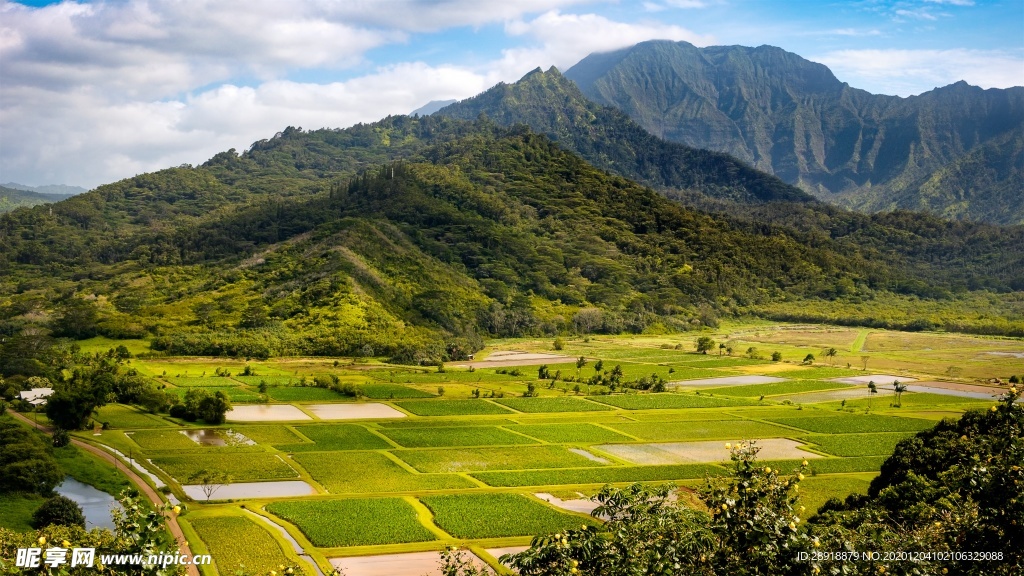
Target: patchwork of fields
{"type": "Point", "coordinates": [430, 458]}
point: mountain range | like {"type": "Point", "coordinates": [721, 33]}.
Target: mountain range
{"type": "Point", "coordinates": [955, 151]}
{"type": "Point", "coordinates": [16, 196]}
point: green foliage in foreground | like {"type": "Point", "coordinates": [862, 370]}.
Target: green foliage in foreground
{"type": "Point", "coordinates": [497, 515]}
{"type": "Point", "coordinates": [354, 522]}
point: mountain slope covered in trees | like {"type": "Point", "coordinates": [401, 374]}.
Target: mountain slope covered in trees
{"type": "Point", "coordinates": [416, 237]}
{"type": "Point", "coordinates": [954, 151]}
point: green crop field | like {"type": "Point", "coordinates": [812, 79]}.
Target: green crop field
{"type": "Point", "coordinates": [336, 437]}
{"type": "Point", "coordinates": [497, 515]}
{"type": "Point", "coordinates": [818, 373]}
{"type": "Point", "coordinates": [162, 440]}
{"type": "Point", "coordinates": [575, 432]}
{"type": "Point", "coordinates": [234, 393]}
{"type": "Point", "coordinates": [464, 436]}
{"type": "Point", "coordinates": [302, 394]}
{"type": "Point", "coordinates": [562, 404]}
{"type": "Point", "coordinates": [510, 458]}
{"type": "Point", "coordinates": [385, 391]}
{"type": "Point", "coordinates": [121, 416]}
{"type": "Point", "coordinates": [875, 444]}
{"type": "Point", "coordinates": [270, 380]}
{"type": "Point", "coordinates": [269, 434]}
{"type": "Point", "coordinates": [831, 465]}
{"type": "Point", "coordinates": [815, 491]}
{"type": "Point", "coordinates": [242, 467]}
{"type": "Point", "coordinates": [239, 543]}
{"type": "Point", "coordinates": [794, 387]}
{"type": "Point", "coordinates": [354, 522]}
{"type": "Point", "coordinates": [845, 423]}
{"type": "Point", "coordinates": [703, 430]}
{"type": "Point", "coordinates": [362, 472]}
{"type": "Point", "coordinates": [200, 381]}
{"type": "Point", "coordinates": [599, 475]}
{"type": "Point", "coordinates": [451, 407]}
{"type": "Point", "coordinates": [664, 401]}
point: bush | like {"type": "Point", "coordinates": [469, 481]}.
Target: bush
{"type": "Point", "coordinates": [58, 510]}
{"type": "Point", "coordinates": [558, 344]}
{"type": "Point", "coordinates": [61, 438]}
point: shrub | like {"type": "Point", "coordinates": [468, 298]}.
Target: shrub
{"type": "Point", "coordinates": [58, 510]}
{"type": "Point", "coordinates": [60, 438]}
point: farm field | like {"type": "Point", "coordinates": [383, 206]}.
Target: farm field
{"type": "Point", "coordinates": [462, 453]}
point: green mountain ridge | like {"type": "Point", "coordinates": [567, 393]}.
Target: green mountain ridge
{"type": "Point", "coordinates": [12, 198]}
{"type": "Point", "coordinates": [793, 118]}
{"type": "Point", "coordinates": [416, 237]}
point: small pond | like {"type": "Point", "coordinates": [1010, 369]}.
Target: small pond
{"type": "Point", "coordinates": [96, 504]}
{"type": "Point", "coordinates": [214, 437]}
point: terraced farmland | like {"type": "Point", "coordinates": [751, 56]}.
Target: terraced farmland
{"type": "Point", "coordinates": [463, 466]}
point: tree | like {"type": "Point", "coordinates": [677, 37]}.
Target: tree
{"type": "Point", "coordinates": [580, 363]}
{"type": "Point", "coordinates": [58, 510]}
{"type": "Point", "coordinates": [558, 344]}
{"type": "Point", "coordinates": [831, 355]}
{"type": "Point", "coordinates": [60, 438]}
{"type": "Point", "coordinates": [721, 348]}
{"type": "Point", "coordinates": [776, 356]}
{"type": "Point", "coordinates": [864, 362]}
{"type": "Point", "coordinates": [213, 409]}
{"type": "Point", "coordinates": [705, 343]}
{"type": "Point", "coordinates": [898, 388]}
{"type": "Point", "coordinates": [75, 318]}
{"type": "Point", "coordinates": [543, 373]}
{"type": "Point", "coordinates": [209, 481]}
{"type": "Point", "coordinates": [809, 359]}
{"type": "Point", "coordinates": [872, 390]}
{"type": "Point", "coordinates": [26, 463]}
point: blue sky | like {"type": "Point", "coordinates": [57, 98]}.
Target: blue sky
{"type": "Point", "coordinates": [92, 92]}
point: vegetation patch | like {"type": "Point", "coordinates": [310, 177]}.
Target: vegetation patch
{"type": "Point", "coordinates": [162, 440]}
{"type": "Point", "coordinates": [89, 469]}
{"type": "Point", "coordinates": [239, 543]}
{"type": "Point", "coordinates": [852, 423]}
{"type": "Point", "coordinates": [361, 472]}
{"type": "Point", "coordinates": [200, 381]}
{"type": "Point", "coordinates": [818, 373]}
{"type": "Point", "coordinates": [16, 510]}
{"type": "Point", "coordinates": [234, 393]}
{"type": "Point", "coordinates": [570, 433]}
{"type": "Point", "coordinates": [269, 434]}
{"type": "Point", "coordinates": [475, 459]}
{"type": "Point", "coordinates": [561, 404]}
{"type": "Point", "coordinates": [451, 407]}
{"type": "Point", "coordinates": [302, 394]}
{"type": "Point", "coordinates": [121, 416]}
{"type": "Point", "coordinates": [792, 387]}
{"type": "Point", "coordinates": [498, 515]}
{"type": "Point", "coordinates": [659, 401]}
{"type": "Point", "coordinates": [817, 490]}
{"type": "Point", "coordinates": [384, 391]}
{"type": "Point", "coordinates": [354, 522]}
{"type": "Point", "coordinates": [336, 437]}
{"type": "Point", "coordinates": [702, 430]}
{"type": "Point", "coordinates": [877, 444]}
{"type": "Point", "coordinates": [241, 467]}
{"type": "Point", "coordinates": [599, 475]}
{"type": "Point", "coordinates": [455, 436]}
{"type": "Point", "coordinates": [831, 465]}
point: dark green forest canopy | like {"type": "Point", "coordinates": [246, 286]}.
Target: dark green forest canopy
{"type": "Point", "coordinates": [426, 233]}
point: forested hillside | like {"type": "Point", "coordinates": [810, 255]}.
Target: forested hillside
{"type": "Point", "coordinates": [954, 151]}
{"type": "Point", "coordinates": [414, 238]}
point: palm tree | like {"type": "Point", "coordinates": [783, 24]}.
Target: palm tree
{"type": "Point", "coordinates": [831, 354]}
{"type": "Point", "coordinates": [899, 389]}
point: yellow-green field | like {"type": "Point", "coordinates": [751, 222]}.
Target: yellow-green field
{"type": "Point", "coordinates": [469, 445]}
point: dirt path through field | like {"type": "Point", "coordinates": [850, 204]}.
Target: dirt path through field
{"type": "Point", "coordinates": [144, 488]}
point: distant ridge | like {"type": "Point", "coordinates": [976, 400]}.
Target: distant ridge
{"type": "Point", "coordinates": [58, 189]}
{"type": "Point", "coordinates": [955, 151]}
{"type": "Point", "coordinates": [431, 107]}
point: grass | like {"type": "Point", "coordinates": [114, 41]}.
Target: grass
{"type": "Point", "coordinates": [121, 416]}
{"type": "Point", "coordinates": [362, 472]}
{"type": "Point", "coordinates": [384, 391]}
{"type": "Point", "coordinates": [454, 436]}
{"type": "Point", "coordinates": [844, 423]}
{"type": "Point", "coordinates": [478, 459]}
{"type": "Point", "coordinates": [162, 440]}
{"type": "Point", "coordinates": [16, 511]}
{"type": "Point", "coordinates": [818, 373]}
{"type": "Point", "coordinates": [817, 490]}
{"type": "Point", "coordinates": [497, 515]}
{"type": "Point", "coordinates": [831, 465]}
{"type": "Point", "coordinates": [269, 434]}
{"type": "Point", "coordinates": [200, 381]}
{"type": "Point", "coordinates": [702, 430]}
{"type": "Point", "coordinates": [598, 475]}
{"type": "Point", "coordinates": [242, 467]}
{"type": "Point", "coordinates": [354, 522]}
{"type": "Point", "coordinates": [89, 469]}
{"type": "Point", "coordinates": [237, 543]}
{"type": "Point", "coordinates": [336, 437]}
{"type": "Point", "coordinates": [663, 401]}
{"type": "Point", "coordinates": [302, 394]}
{"type": "Point", "coordinates": [576, 432]}
{"type": "Point", "coordinates": [234, 393]}
{"type": "Point", "coordinates": [858, 444]}
{"type": "Point", "coordinates": [562, 404]}
{"type": "Point", "coordinates": [794, 387]}
{"type": "Point", "coordinates": [451, 407]}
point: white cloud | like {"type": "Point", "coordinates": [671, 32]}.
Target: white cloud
{"type": "Point", "coordinates": [854, 32]}
{"type": "Point", "coordinates": [907, 72]}
{"type": "Point", "coordinates": [918, 14]}
{"type": "Point", "coordinates": [953, 2]}
{"type": "Point", "coordinates": [564, 39]}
